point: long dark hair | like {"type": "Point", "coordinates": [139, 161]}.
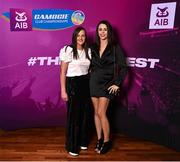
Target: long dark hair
{"type": "Point", "coordinates": [74, 42]}
{"type": "Point", "coordinates": [110, 35]}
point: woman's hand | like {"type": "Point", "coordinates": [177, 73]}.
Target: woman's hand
{"type": "Point", "coordinates": [64, 96]}
{"type": "Point", "coordinates": [113, 89]}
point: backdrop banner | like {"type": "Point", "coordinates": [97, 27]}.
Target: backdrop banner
{"type": "Point", "coordinates": [32, 33]}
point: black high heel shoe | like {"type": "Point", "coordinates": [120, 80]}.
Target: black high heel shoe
{"type": "Point", "coordinates": [98, 145]}
{"type": "Point", "coordinates": [105, 147]}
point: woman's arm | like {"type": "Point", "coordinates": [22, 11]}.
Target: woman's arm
{"type": "Point", "coordinates": [122, 66]}
{"type": "Point", "coordinates": [63, 71]}
{"type": "Point", "coordinates": [120, 70]}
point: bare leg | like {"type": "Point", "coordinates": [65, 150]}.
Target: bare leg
{"type": "Point", "coordinates": [95, 102]}
{"type": "Point", "coordinates": [102, 108]}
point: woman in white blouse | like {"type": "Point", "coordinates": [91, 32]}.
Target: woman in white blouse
{"type": "Point", "coordinates": [75, 61]}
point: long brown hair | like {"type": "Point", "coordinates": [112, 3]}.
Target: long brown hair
{"type": "Point", "coordinates": [110, 35]}
{"type": "Point", "coordinates": [74, 42]}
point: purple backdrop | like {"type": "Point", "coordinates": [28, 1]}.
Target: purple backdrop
{"type": "Point", "coordinates": [149, 104]}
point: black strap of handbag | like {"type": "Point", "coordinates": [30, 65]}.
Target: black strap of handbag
{"type": "Point", "coordinates": [116, 68]}
{"type": "Point", "coordinates": [115, 64]}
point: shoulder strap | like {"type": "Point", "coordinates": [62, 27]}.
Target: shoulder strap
{"type": "Point", "coordinates": [114, 53]}
{"type": "Point", "coordinates": [115, 63]}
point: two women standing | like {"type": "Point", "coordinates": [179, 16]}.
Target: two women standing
{"type": "Point", "coordinates": [75, 62]}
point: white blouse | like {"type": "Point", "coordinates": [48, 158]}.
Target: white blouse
{"type": "Point", "coordinates": [76, 67]}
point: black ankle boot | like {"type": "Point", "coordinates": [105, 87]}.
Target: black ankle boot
{"type": "Point", "coordinates": [99, 145]}
{"type": "Point", "coordinates": [105, 147]}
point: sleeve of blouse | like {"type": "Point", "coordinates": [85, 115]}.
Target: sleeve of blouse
{"type": "Point", "coordinates": [65, 54]}
{"type": "Point", "coordinates": [89, 53]}
{"type": "Point", "coordinates": [122, 66]}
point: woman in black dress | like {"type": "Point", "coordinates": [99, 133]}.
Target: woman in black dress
{"type": "Point", "coordinates": [106, 54]}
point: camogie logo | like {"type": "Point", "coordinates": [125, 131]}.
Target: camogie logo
{"type": "Point", "coordinates": [77, 17]}
{"type": "Point", "coordinates": [162, 16]}
{"type": "Point", "coordinates": [43, 19]}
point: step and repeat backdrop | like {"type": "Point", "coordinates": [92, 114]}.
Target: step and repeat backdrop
{"type": "Point", "coordinates": [32, 33]}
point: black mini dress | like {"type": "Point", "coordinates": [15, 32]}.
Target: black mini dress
{"type": "Point", "coordinates": [102, 69]}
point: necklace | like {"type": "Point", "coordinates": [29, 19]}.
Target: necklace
{"type": "Point", "coordinates": [80, 52]}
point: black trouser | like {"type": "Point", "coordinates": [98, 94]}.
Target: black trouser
{"type": "Point", "coordinates": [77, 112]}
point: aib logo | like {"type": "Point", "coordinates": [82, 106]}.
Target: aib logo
{"type": "Point", "coordinates": [162, 12]}
{"type": "Point", "coordinates": [20, 20]}
{"type": "Point", "coordinates": [162, 16]}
